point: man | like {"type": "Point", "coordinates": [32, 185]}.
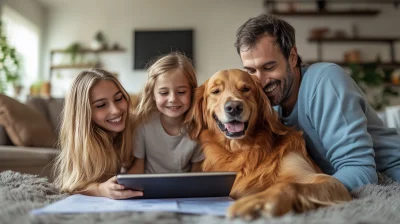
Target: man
{"type": "Point", "coordinates": [343, 133]}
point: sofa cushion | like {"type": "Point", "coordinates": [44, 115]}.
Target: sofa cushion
{"type": "Point", "coordinates": [55, 107]}
{"type": "Point", "coordinates": [24, 125]}
{"type": "Point", "coordinates": [51, 108]}
{"type": "Point", "coordinates": [4, 139]}
{"type": "Point", "coordinates": [25, 156]}
{"type": "Point", "coordinates": [39, 104]}
{"type": "Point", "coordinates": [39, 161]}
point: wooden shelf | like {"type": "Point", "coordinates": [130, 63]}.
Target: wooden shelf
{"type": "Point", "coordinates": [89, 51]}
{"type": "Point", "coordinates": [392, 85]}
{"type": "Point", "coordinates": [388, 40]}
{"type": "Point", "coordinates": [335, 1]}
{"type": "Point", "coordinates": [354, 39]}
{"type": "Point", "coordinates": [82, 51]}
{"type": "Point", "coordinates": [350, 12]}
{"type": "Point", "coordinates": [77, 66]}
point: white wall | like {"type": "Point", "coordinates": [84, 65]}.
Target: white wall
{"type": "Point", "coordinates": [215, 23]}
{"type": "Point", "coordinates": [36, 13]}
{"type": "Point", "coordinates": [32, 10]}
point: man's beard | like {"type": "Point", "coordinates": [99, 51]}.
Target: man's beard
{"type": "Point", "coordinates": [285, 93]}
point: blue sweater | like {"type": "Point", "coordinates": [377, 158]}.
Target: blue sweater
{"type": "Point", "coordinates": [343, 133]}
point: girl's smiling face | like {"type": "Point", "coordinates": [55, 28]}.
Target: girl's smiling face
{"type": "Point", "coordinates": [172, 94]}
{"type": "Point", "coordinates": [109, 107]}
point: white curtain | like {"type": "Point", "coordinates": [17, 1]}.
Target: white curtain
{"type": "Point", "coordinates": [24, 36]}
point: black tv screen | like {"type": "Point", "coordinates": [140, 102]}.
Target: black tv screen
{"type": "Point", "coordinates": [151, 44]}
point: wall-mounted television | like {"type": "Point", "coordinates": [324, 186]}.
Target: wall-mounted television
{"type": "Point", "coordinates": [151, 44]}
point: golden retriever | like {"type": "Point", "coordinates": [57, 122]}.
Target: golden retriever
{"type": "Point", "coordinates": [239, 131]}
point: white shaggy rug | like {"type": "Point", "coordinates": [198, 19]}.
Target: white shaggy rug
{"type": "Point", "coordinates": [21, 193]}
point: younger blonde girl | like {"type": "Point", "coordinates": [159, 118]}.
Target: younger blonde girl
{"type": "Point", "coordinates": [95, 137]}
{"type": "Point", "coordinates": [161, 142]}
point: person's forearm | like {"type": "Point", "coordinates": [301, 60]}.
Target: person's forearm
{"type": "Point", "coordinates": [137, 167]}
{"type": "Point", "coordinates": [135, 170]}
{"type": "Point", "coordinates": [356, 176]}
{"type": "Point", "coordinates": [196, 167]}
{"type": "Point", "coordinates": [92, 190]}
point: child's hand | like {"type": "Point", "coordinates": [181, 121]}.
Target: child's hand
{"type": "Point", "coordinates": [113, 190]}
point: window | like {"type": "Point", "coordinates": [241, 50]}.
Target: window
{"type": "Point", "coordinates": [23, 35]}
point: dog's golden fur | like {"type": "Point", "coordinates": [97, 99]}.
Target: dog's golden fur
{"type": "Point", "coordinates": [275, 175]}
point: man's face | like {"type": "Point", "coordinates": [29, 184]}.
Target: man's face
{"type": "Point", "coordinates": [266, 61]}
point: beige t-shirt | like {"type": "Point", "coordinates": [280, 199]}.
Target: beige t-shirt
{"type": "Point", "coordinates": [164, 153]}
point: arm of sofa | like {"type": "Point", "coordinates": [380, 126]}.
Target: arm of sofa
{"type": "Point", "coordinates": [4, 139]}
{"type": "Point", "coordinates": [32, 160]}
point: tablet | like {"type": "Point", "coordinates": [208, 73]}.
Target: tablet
{"type": "Point", "coordinates": [180, 185]}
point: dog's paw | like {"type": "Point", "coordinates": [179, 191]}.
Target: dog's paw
{"type": "Point", "coordinates": [265, 203]}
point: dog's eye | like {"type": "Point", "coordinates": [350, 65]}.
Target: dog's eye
{"type": "Point", "coordinates": [215, 91]}
{"type": "Point", "coordinates": [245, 89]}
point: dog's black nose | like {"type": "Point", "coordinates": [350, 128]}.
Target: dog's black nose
{"type": "Point", "coordinates": [234, 108]}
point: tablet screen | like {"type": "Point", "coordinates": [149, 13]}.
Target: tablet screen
{"type": "Point", "coordinates": [180, 185]}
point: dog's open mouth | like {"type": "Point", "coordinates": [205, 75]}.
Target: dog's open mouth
{"type": "Point", "coordinates": [232, 129]}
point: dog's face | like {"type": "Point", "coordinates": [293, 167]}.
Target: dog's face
{"type": "Point", "coordinates": [231, 102]}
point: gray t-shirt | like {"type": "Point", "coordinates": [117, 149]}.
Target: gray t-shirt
{"type": "Point", "coordinates": [164, 153]}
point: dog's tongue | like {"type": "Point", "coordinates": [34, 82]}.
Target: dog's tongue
{"type": "Point", "coordinates": [234, 127]}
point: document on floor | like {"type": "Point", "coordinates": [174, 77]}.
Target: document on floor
{"type": "Point", "coordinates": [88, 204]}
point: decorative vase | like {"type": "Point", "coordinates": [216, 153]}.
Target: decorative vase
{"type": "Point", "coordinates": [270, 5]}
{"type": "Point", "coordinates": [321, 4]}
{"type": "Point", "coordinates": [45, 89]}
{"type": "Point", "coordinates": [17, 90]}
{"type": "Point", "coordinates": [96, 45]}
{"type": "Point", "coordinates": [395, 77]}
{"type": "Point", "coordinates": [291, 7]}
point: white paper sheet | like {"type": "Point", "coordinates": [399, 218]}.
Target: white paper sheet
{"type": "Point", "coordinates": [211, 206]}
{"type": "Point", "coordinates": [84, 204]}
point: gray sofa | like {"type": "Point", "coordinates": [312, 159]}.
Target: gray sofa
{"type": "Point", "coordinates": [33, 159]}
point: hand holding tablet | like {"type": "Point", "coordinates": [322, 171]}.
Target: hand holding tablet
{"type": "Point", "coordinates": [179, 185]}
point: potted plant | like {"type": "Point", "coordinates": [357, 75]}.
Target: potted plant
{"type": "Point", "coordinates": [99, 41]}
{"type": "Point", "coordinates": [10, 63]}
{"type": "Point", "coordinates": [73, 51]}
{"type": "Point", "coordinates": [371, 76]}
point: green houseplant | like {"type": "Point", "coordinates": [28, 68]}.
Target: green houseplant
{"type": "Point", "coordinates": [10, 63]}
{"type": "Point", "coordinates": [73, 50]}
{"type": "Point", "coordinates": [372, 76]}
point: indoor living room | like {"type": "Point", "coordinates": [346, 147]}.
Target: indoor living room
{"type": "Point", "coordinates": [55, 40]}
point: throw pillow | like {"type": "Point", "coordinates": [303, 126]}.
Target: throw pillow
{"type": "Point", "coordinates": [4, 139]}
{"type": "Point", "coordinates": [24, 125]}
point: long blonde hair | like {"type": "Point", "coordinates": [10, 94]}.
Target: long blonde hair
{"type": "Point", "coordinates": [163, 65]}
{"type": "Point", "coordinates": [88, 153]}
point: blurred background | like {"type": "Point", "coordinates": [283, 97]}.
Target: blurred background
{"type": "Point", "coordinates": [55, 39]}
{"type": "Point", "coordinates": [44, 44]}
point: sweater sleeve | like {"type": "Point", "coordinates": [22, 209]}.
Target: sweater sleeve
{"type": "Point", "coordinates": [337, 112]}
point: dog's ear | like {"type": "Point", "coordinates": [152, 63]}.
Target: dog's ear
{"type": "Point", "coordinates": [194, 119]}
{"type": "Point", "coordinates": [267, 116]}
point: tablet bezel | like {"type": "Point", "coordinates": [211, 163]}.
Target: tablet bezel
{"type": "Point", "coordinates": [162, 175]}
{"type": "Point", "coordinates": [180, 185]}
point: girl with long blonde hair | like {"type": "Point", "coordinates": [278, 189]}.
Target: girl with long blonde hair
{"type": "Point", "coordinates": [162, 144]}
{"type": "Point", "coordinates": [95, 137]}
